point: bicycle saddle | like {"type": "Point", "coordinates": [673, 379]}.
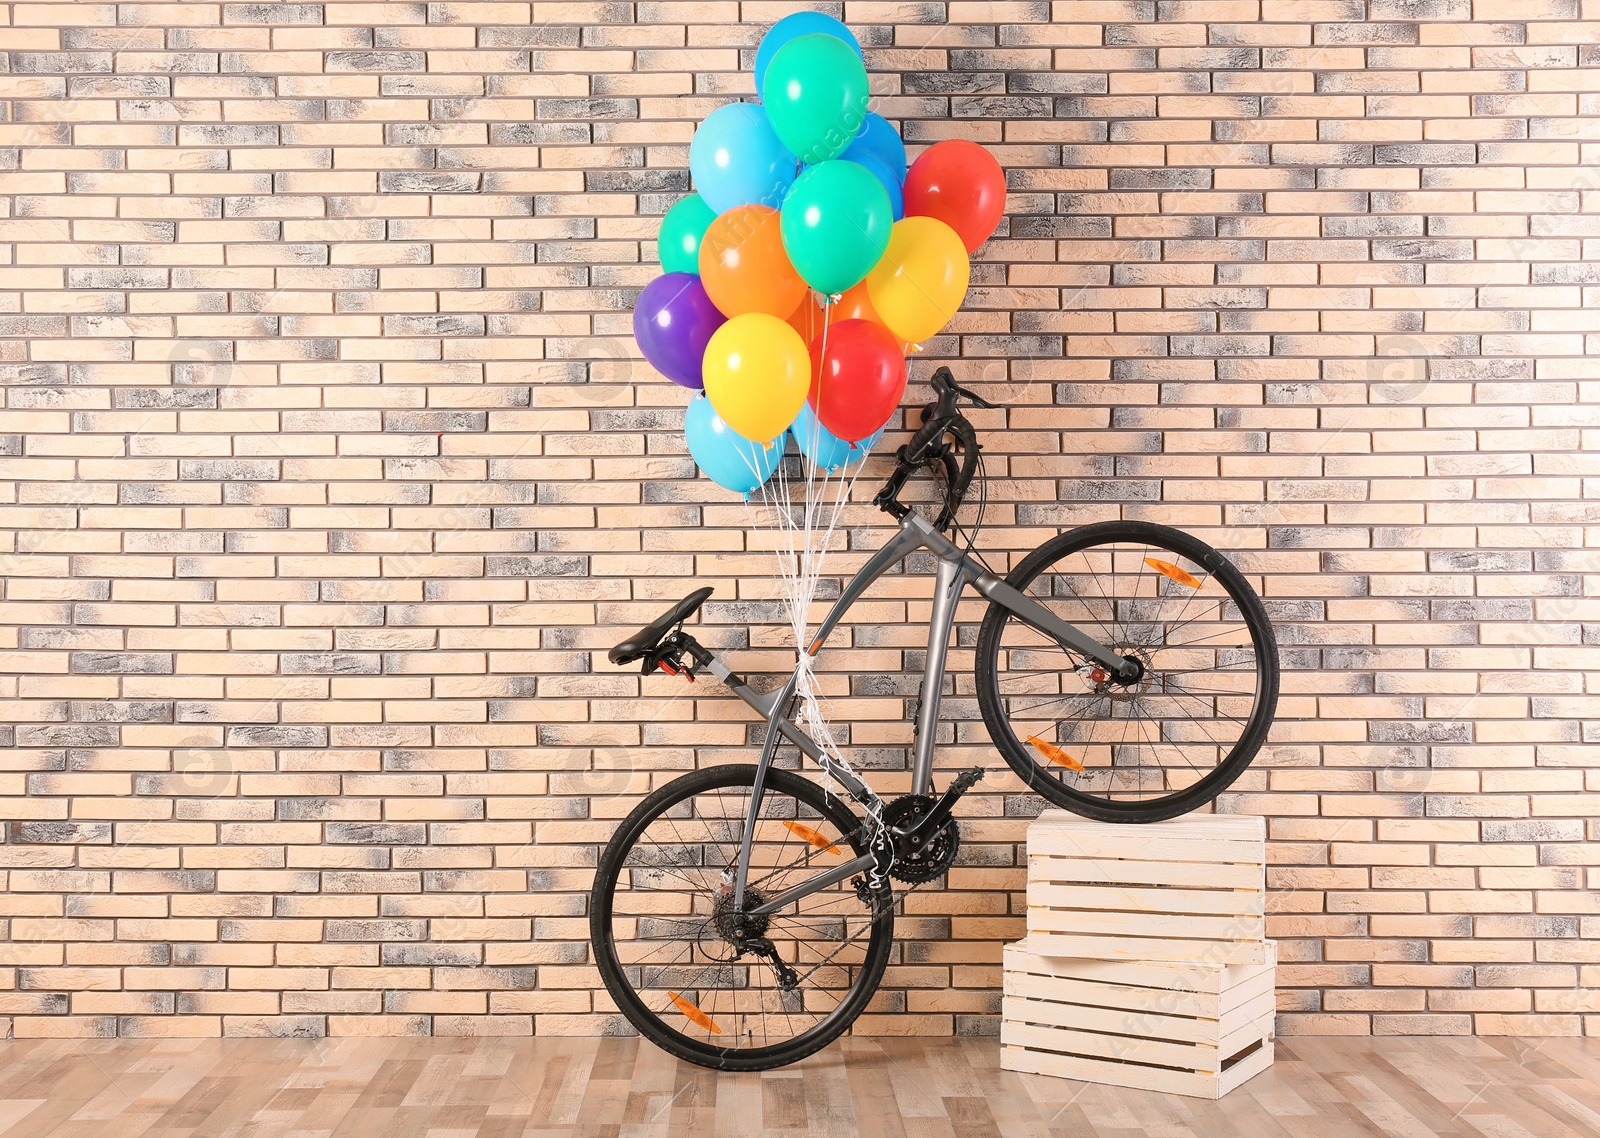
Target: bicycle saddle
{"type": "Point", "coordinates": [650, 635]}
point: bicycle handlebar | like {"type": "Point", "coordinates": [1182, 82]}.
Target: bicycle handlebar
{"type": "Point", "coordinates": [940, 418]}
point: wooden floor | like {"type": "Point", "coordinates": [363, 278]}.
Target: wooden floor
{"type": "Point", "coordinates": [457, 1088]}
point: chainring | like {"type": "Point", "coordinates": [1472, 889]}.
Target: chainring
{"type": "Point", "coordinates": [937, 856]}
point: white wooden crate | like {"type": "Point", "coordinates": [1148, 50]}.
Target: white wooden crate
{"type": "Point", "coordinates": [1192, 889]}
{"type": "Point", "coordinates": [1197, 1029]}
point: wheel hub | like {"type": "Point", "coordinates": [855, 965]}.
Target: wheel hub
{"type": "Point", "coordinates": [1106, 682]}
{"type": "Point", "coordinates": [737, 928]}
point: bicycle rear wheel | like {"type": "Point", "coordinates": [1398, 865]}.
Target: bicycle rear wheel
{"type": "Point", "coordinates": [1155, 748]}
{"type": "Point", "coordinates": [663, 927]}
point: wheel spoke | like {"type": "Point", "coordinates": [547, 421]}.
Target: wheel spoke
{"type": "Point", "coordinates": [1208, 636]}
{"type": "Point", "coordinates": [1172, 626]}
{"type": "Point", "coordinates": [1115, 627]}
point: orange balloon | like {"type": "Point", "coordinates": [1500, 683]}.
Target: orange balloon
{"type": "Point", "coordinates": [743, 266]}
{"type": "Point", "coordinates": [807, 320]}
{"type": "Point", "coordinates": [855, 304]}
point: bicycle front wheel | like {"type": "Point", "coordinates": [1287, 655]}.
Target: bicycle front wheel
{"type": "Point", "coordinates": [732, 992]}
{"type": "Point", "coordinates": [1170, 741]}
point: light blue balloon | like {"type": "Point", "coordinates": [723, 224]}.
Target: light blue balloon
{"type": "Point", "coordinates": [793, 27]}
{"type": "Point", "coordinates": [870, 159]}
{"type": "Point", "coordinates": [883, 140]}
{"type": "Point", "coordinates": [732, 462]}
{"type": "Point", "coordinates": [736, 159]}
{"type": "Point", "coordinates": [823, 447]}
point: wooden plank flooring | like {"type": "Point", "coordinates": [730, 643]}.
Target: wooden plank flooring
{"type": "Point", "coordinates": [621, 1088]}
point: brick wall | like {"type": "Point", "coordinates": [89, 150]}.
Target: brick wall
{"type": "Point", "coordinates": [328, 472]}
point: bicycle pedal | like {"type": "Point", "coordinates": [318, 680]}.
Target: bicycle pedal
{"type": "Point", "coordinates": [966, 780]}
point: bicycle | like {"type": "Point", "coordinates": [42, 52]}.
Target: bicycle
{"type": "Point", "coordinates": [742, 915]}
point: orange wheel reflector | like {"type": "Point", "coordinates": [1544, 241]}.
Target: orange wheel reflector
{"type": "Point", "coordinates": [694, 1014]}
{"type": "Point", "coordinates": [1168, 569]}
{"type": "Point", "coordinates": [1054, 753]}
{"type": "Point", "coordinates": [807, 834]}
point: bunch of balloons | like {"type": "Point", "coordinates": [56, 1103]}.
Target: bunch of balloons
{"type": "Point", "coordinates": [809, 262]}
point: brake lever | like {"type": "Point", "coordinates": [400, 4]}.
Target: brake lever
{"type": "Point", "coordinates": [977, 399]}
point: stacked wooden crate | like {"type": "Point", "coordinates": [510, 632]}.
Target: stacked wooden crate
{"type": "Point", "coordinates": [1146, 963]}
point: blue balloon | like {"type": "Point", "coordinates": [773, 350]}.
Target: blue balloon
{"type": "Point", "coordinates": [792, 27]}
{"type": "Point", "coordinates": [732, 462]}
{"type": "Point", "coordinates": [870, 160]}
{"type": "Point", "coordinates": [883, 140]}
{"type": "Point", "coordinates": [736, 159]}
{"type": "Point", "coordinates": [823, 447]}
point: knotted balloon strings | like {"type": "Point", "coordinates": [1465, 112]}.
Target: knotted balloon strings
{"type": "Point", "coordinates": [803, 531]}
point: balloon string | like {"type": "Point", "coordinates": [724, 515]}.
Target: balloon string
{"type": "Point", "coordinates": [803, 535]}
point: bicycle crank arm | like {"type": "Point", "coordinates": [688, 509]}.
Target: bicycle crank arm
{"type": "Point", "coordinates": [911, 839]}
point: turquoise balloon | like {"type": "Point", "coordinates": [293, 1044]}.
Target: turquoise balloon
{"type": "Point", "coordinates": [823, 447]}
{"type": "Point", "coordinates": [884, 141]}
{"type": "Point", "coordinates": [732, 462]}
{"type": "Point", "coordinates": [835, 225]}
{"type": "Point", "coordinates": [792, 27]}
{"type": "Point", "coordinates": [815, 92]}
{"type": "Point", "coordinates": [736, 159]}
{"type": "Point", "coordinates": [678, 244]}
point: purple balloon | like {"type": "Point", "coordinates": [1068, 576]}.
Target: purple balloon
{"type": "Point", "coordinates": [673, 320]}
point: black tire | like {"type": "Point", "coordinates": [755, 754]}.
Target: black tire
{"type": "Point", "coordinates": [1054, 786]}
{"type": "Point", "coordinates": [780, 786]}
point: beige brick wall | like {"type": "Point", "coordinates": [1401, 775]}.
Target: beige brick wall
{"type": "Point", "coordinates": [327, 472]}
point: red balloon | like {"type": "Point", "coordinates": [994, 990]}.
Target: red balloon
{"type": "Point", "coordinates": [961, 184]}
{"type": "Point", "coordinates": [857, 382]}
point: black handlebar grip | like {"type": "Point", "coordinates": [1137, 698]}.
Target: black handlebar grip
{"type": "Point", "coordinates": [969, 466]}
{"type": "Point", "coordinates": [928, 433]}
{"type": "Point", "coordinates": [969, 454]}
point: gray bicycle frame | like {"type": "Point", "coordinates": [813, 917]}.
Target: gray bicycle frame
{"type": "Point", "coordinates": [956, 568]}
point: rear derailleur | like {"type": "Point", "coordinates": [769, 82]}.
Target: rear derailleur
{"type": "Point", "coordinates": [788, 979]}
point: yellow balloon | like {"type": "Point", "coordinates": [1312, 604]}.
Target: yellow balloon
{"type": "Point", "coordinates": [757, 373]}
{"type": "Point", "coordinates": [921, 279]}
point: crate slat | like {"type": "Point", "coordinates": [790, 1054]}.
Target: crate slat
{"type": "Point", "coordinates": [1162, 1079]}
{"type": "Point", "coordinates": [1102, 898]}
{"type": "Point", "coordinates": [1111, 871]}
